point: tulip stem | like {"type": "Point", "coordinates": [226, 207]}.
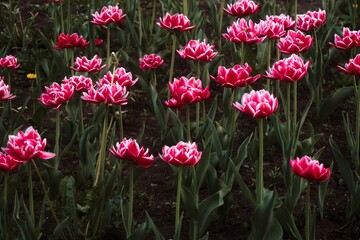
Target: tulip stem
{"type": "Point", "coordinates": [221, 15]}
{"type": "Point", "coordinates": [121, 126]}
{"type": "Point", "coordinates": [288, 120]}
{"type": "Point", "coordinates": [72, 61]}
{"type": "Point", "coordinates": [242, 60]}
{"type": "Point", "coordinates": [108, 46]}
{"type": "Point", "coordinates": [307, 212]}
{"type": "Point", "coordinates": [57, 139]}
{"type": "Point", "coordinates": [171, 73]}
{"type": "Point", "coordinates": [178, 198]}
{"type": "Point", "coordinates": [5, 188]}
{"type": "Point", "coordinates": [185, 5]}
{"type": "Point", "coordinates": [31, 194]}
{"type": "Point", "coordinates": [197, 117]}
{"type": "Point", "coordinates": [131, 200]}
{"type": "Point", "coordinates": [295, 105]}
{"type": "Point", "coordinates": [153, 78]}
{"type": "Point", "coordinates": [81, 117]}
{"type": "Point", "coordinates": [357, 125]}
{"type": "Point", "coordinates": [268, 62]}
{"type": "Point", "coordinates": [188, 135]}
{"type": "Point", "coordinates": [260, 176]}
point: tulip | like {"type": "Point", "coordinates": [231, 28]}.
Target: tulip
{"type": "Point", "coordinates": [242, 8]}
{"type": "Point", "coordinates": [8, 163]}
{"type": "Point", "coordinates": [85, 65]}
{"type": "Point", "coordinates": [5, 91]}
{"type": "Point", "coordinates": [181, 154]}
{"type": "Point", "coordinates": [107, 93]}
{"type": "Point", "coordinates": [196, 50]}
{"type": "Point", "coordinates": [294, 42]}
{"type": "Point", "coordinates": [80, 83]}
{"type": "Point", "coordinates": [109, 15]}
{"type": "Point", "coordinates": [70, 41]}
{"type": "Point", "coordinates": [119, 76]}
{"type": "Point", "coordinates": [9, 61]}
{"type": "Point", "coordinates": [98, 41]}
{"type": "Point", "coordinates": [271, 29]}
{"type": "Point", "coordinates": [310, 169]}
{"type": "Point", "coordinates": [151, 61]}
{"type": "Point", "coordinates": [243, 32]}
{"type": "Point", "coordinates": [353, 67]}
{"type": "Point", "coordinates": [178, 22]}
{"type": "Point", "coordinates": [282, 19]}
{"type": "Point", "coordinates": [310, 20]}
{"type": "Point", "coordinates": [349, 40]}
{"type": "Point", "coordinates": [56, 94]}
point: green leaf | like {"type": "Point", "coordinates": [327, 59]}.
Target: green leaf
{"type": "Point", "coordinates": [189, 203]}
{"type": "Point", "coordinates": [287, 222]}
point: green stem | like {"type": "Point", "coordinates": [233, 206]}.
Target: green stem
{"type": "Point", "coordinates": [72, 61]}
{"type": "Point", "coordinates": [295, 8]}
{"type": "Point", "coordinates": [268, 60]}
{"type": "Point", "coordinates": [5, 189]}
{"type": "Point", "coordinates": [307, 212]}
{"type": "Point", "coordinates": [108, 46]}
{"type": "Point", "coordinates": [153, 78]}
{"type": "Point", "coordinates": [288, 116]}
{"type": "Point", "coordinates": [185, 6]}
{"type": "Point", "coordinates": [294, 105]}
{"type": "Point", "coordinates": [357, 126]}
{"type": "Point", "coordinates": [260, 176]}
{"type": "Point", "coordinates": [140, 27]}
{"type": "Point", "coordinates": [57, 139]}
{"type": "Point", "coordinates": [178, 198]}
{"type": "Point", "coordinates": [221, 15]}
{"type": "Point", "coordinates": [196, 200]}
{"type": "Point", "coordinates": [242, 57]}
{"type": "Point", "coordinates": [188, 135]}
{"type": "Point", "coordinates": [197, 118]}
{"type": "Point", "coordinates": [131, 200]}
{"type": "Point", "coordinates": [81, 116]}
{"type": "Point", "coordinates": [68, 15]}
{"type": "Point", "coordinates": [62, 18]}
{"type": "Point", "coordinates": [121, 126]}
{"type": "Point", "coordinates": [31, 194]}
{"type": "Point", "coordinates": [171, 73]}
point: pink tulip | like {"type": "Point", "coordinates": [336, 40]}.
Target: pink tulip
{"type": "Point", "coordinates": [353, 67]}
{"type": "Point", "coordinates": [151, 61]}
{"type": "Point", "coordinates": [120, 76]}
{"type": "Point", "coordinates": [181, 154]}
{"type": "Point", "coordinates": [242, 8]}
{"type": "Point", "coordinates": [282, 19]}
{"type": "Point", "coordinates": [7, 163]}
{"type": "Point", "coordinates": [177, 21]}
{"type": "Point", "coordinates": [186, 91]}
{"type": "Point", "coordinates": [98, 41]}
{"type": "Point", "coordinates": [107, 93]}
{"type": "Point", "coordinates": [271, 29]}
{"type": "Point", "coordinates": [70, 41]}
{"type": "Point", "coordinates": [129, 150]}
{"type": "Point", "coordinates": [9, 61]}
{"type": "Point", "coordinates": [310, 169]}
{"type": "Point", "coordinates": [310, 20]}
{"type": "Point", "coordinates": [258, 104]}
{"type": "Point", "coordinates": [294, 42]}
{"type": "Point", "coordinates": [5, 93]}
{"type": "Point", "coordinates": [241, 31]}
{"type": "Point", "coordinates": [56, 94]}
{"type": "Point", "coordinates": [349, 40]}
{"type": "Point", "coordinates": [237, 76]}
{"type": "Point", "coordinates": [27, 145]}
{"type": "Point", "coordinates": [109, 15]}
{"type": "Point", "coordinates": [80, 83]}
{"type": "Point", "coordinates": [196, 50]}
{"type": "Point", "coordinates": [289, 69]}
{"type": "Point", "coordinates": [85, 65]}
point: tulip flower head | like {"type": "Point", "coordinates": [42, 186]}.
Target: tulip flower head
{"type": "Point", "coordinates": [88, 65]}
{"type": "Point", "coordinates": [353, 67]}
{"type": "Point", "coordinates": [27, 145]}
{"type": "Point", "coordinates": [80, 83]}
{"type": "Point", "coordinates": [282, 19]}
{"type": "Point", "coordinates": [242, 8]}
{"type": "Point", "coordinates": [107, 93]}
{"type": "Point", "coordinates": [129, 150]}
{"type": "Point", "coordinates": [109, 15]}
{"type": "Point", "coordinates": [348, 40]}
{"type": "Point", "coordinates": [70, 41]}
{"type": "Point", "coordinates": [98, 41]}
{"type": "Point", "coordinates": [151, 61]}
{"type": "Point", "coordinates": [181, 154]}
{"type": "Point", "coordinates": [120, 76]}
{"type": "Point", "coordinates": [178, 22]}
{"type": "Point", "coordinates": [7, 163]}
{"type": "Point", "coordinates": [258, 104]}
{"type": "Point", "coordinates": [196, 50]}
{"type": "Point", "coordinates": [5, 93]}
{"type": "Point", "coordinates": [56, 94]}
{"type": "Point", "coordinates": [271, 29]}
{"type": "Point", "coordinates": [310, 20]}
{"type": "Point", "coordinates": [310, 169]}
{"type": "Point", "coordinates": [243, 32]}
{"type": "Point", "coordinates": [10, 62]}
{"type": "Point", "coordinates": [294, 42]}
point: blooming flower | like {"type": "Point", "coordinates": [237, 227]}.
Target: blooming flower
{"type": "Point", "coordinates": [109, 15]}
{"type": "Point", "coordinates": [241, 31]}
{"type": "Point", "coordinates": [271, 29]}
{"type": "Point", "coordinates": [288, 69]}
{"type": "Point", "coordinates": [177, 21]}
{"type": "Point", "coordinates": [242, 8]}
{"type": "Point", "coordinates": [129, 150]}
{"type": "Point", "coordinates": [85, 65]}
{"type": "Point", "coordinates": [27, 145]}
{"type": "Point", "coordinates": [9, 61]}
{"type": "Point", "coordinates": [353, 67]}
{"type": "Point", "coordinates": [120, 76]}
{"type": "Point", "coordinates": [150, 61]}
{"type": "Point", "coordinates": [349, 40]}
{"type": "Point", "coordinates": [258, 104]}
{"type": "Point", "coordinates": [310, 169]}
{"type": "Point", "coordinates": [7, 163]}
{"type": "Point", "coordinates": [107, 93]}
{"type": "Point", "coordinates": [5, 91]}
{"type": "Point", "coordinates": [70, 41]}
{"type": "Point", "coordinates": [294, 42]}
{"type": "Point", "coordinates": [56, 94]}
{"type": "Point", "coordinates": [186, 91]}
{"type": "Point", "coordinates": [31, 76]}
{"type": "Point", "coordinates": [80, 83]}
{"type": "Point", "coordinates": [181, 154]}
{"type": "Point", "coordinates": [237, 76]}
{"type": "Point", "coordinates": [310, 20]}
{"type": "Point", "coordinates": [196, 50]}
{"type": "Point", "coordinates": [283, 19]}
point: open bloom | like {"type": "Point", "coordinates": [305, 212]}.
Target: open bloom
{"type": "Point", "coordinates": [120, 76]}
{"type": "Point", "coordinates": [181, 154]}
{"type": "Point", "coordinates": [27, 145]}
{"type": "Point", "coordinates": [88, 65]}
{"type": "Point", "coordinates": [8, 163]}
{"type": "Point", "coordinates": [109, 15]}
{"type": "Point", "coordinates": [242, 8]}
{"type": "Point", "coordinates": [150, 61]}
{"type": "Point", "coordinates": [310, 169]}
{"type": "Point", "coordinates": [56, 94]}
{"type": "Point", "coordinates": [107, 93]}
{"type": "Point", "coordinates": [177, 21]}
{"type": "Point", "coordinates": [349, 39]}
{"type": "Point", "coordinates": [186, 91]}
{"type": "Point", "coordinates": [70, 41]}
{"type": "Point", "coordinates": [80, 83]}
{"type": "Point", "coordinates": [294, 42]}
{"type": "Point", "coordinates": [271, 29]}
{"type": "Point", "coordinates": [288, 69]}
{"type": "Point", "coordinates": [237, 76]}
{"type": "Point", "coordinates": [282, 19]}
{"type": "Point", "coordinates": [310, 20]}
{"type": "Point", "coordinates": [196, 50]}
{"type": "Point", "coordinates": [241, 31]}
{"type": "Point", "coordinates": [5, 93]}
{"type": "Point", "coordinates": [258, 104]}
{"type": "Point", "coordinates": [9, 61]}
{"type": "Point", "coordinates": [353, 67]}
{"type": "Point", "coordinates": [129, 150]}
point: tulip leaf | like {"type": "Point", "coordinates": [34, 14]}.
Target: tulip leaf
{"type": "Point", "coordinates": [323, 186]}
{"type": "Point", "coordinates": [287, 222]}
{"type": "Point", "coordinates": [189, 203]}
{"type": "Point", "coordinates": [203, 165]}
{"type": "Point", "coordinates": [67, 194]}
{"type": "Point", "coordinates": [61, 227]}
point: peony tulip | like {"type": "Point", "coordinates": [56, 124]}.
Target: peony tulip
{"type": "Point", "coordinates": [129, 150]}
{"type": "Point", "coordinates": [9, 61]}
{"type": "Point", "coordinates": [310, 20]}
{"type": "Point", "coordinates": [109, 15]}
{"type": "Point", "coordinates": [349, 40]}
{"type": "Point", "coordinates": [241, 31]}
{"type": "Point", "coordinates": [294, 42]}
{"type": "Point", "coordinates": [107, 93]}
{"type": "Point", "coordinates": [258, 104]}
{"type": "Point", "coordinates": [70, 41]}
{"type": "Point", "coordinates": [181, 154]}
{"type": "Point", "coordinates": [242, 8]}
{"type": "Point", "coordinates": [177, 21]}
{"type": "Point", "coordinates": [271, 29]}
{"type": "Point", "coordinates": [310, 169]}
{"type": "Point", "coordinates": [56, 94]}
{"type": "Point", "coordinates": [289, 69]}
{"type": "Point", "coordinates": [7, 163]}
{"type": "Point", "coordinates": [196, 50]}
{"type": "Point", "coordinates": [284, 20]}
{"type": "Point", "coordinates": [85, 65]}
{"type": "Point", "coordinates": [150, 61]}
{"type": "Point", "coordinates": [353, 67]}
{"type": "Point", "coordinates": [27, 145]}
{"type": "Point", "coordinates": [5, 91]}
{"type": "Point", "coordinates": [80, 83]}
{"type": "Point", "coordinates": [120, 76]}
{"type": "Point", "coordinates": [237, 76]}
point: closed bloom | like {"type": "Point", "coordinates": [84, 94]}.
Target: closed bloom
{"type": "Point", "coordinates": [88, 65]}
{"type": "Point", "coordinates": [237, 76]}
{"type": "Point", "coordinates": [349, 39]}
{"type": "Point", "coordinates": [27, 145]}
{"type": "Point", "coordinates": [129, 150]}
{"type": "Point", "coordinates": [120, 76]}
{"type": "Point", "coordinates": [9, 61]}
{"type": "Point", "coordinates": [271, 29]}
{"type": "Point", "coordinates": [7, 163]}
{"type": "Point", "coordinates": [241, 31]}
{"type": "Point", "coordinates": [186, 91]}
{"type": "Point", "coordinates": [178, 22]}
{"type": "Point", "coordinates": [5, 93]}
{"type": "Point", "coordinates": [181, 154]}
{"type": "Point", "coordinates": [242, 8]}
{"type": "Point", "coordinates": [80, 83]}
{"type": "Point", "coordinates": [288, 69]}
{"type": "Point", "coordinates": [56, 94]}
{"type": "Point", "coordinates": [196, 50]}
{"type": "Point", "coordinates": [310, 169]}
{"type": "Point", "coordinates": [107, 93]}
{"type": "Point", "coordinates": [98, 41]}
{"type": "Point", "coordinates": [353, 67]}
{"type": "Point", "coordinates": [283, 19]}
{"type": "Point", "coordinates": [258, 104]}
{"type": "Point", "coordinates": [109, 15]}
{"type": "Point", "coordinates": [150, 61]}
{"type": "Point", "coordinates": [70, 41]}
{"type": "Point", "coordinates": [294, 42]}
{"type": "Point", "coordinates": [310, 20]}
